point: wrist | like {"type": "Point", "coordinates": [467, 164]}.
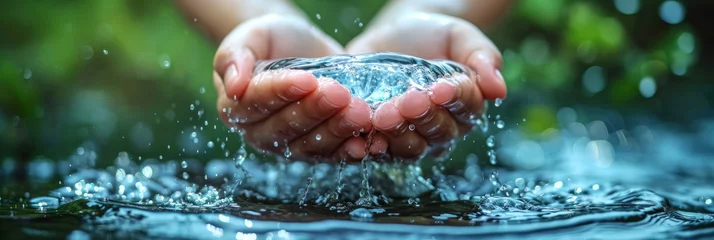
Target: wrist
{"type": "Point", "coordinates": [256, 9]}
{"type": "Point", "coordinates": [396, 9]}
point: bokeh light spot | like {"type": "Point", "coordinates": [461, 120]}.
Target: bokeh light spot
{"type": "Point", "coordinates": [671, 12]}
{"type": "Point", "coordinates": [628, 7]}
{"type": "Point", "coordinates": [648, 87]}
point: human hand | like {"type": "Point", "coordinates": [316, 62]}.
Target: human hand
{"type": "Point", "coordinates": [441, 114]}
{"type": "Point", "coordinates": [314, 118]}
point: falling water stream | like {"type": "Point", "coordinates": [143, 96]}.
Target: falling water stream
{"type": "Point", "coordinates": [644, 182]}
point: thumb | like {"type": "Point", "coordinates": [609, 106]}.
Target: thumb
{"type": "Point", "coordinates": [234, 67]}
{"type": "Point", "coordinates": [469, 46]}
{"type": "Point", "coordinates": [267, 37]}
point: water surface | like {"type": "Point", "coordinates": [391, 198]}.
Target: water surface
{"type": "Point", "coordinates": [657, 190]}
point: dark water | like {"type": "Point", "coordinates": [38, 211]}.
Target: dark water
{"type": "Point", "coordinates": [642, 183]}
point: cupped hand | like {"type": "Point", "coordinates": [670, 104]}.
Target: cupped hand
{"type": "Point", "coordinates": [313, 118]}
{"type": "Point", "coordinates": [420, 120]}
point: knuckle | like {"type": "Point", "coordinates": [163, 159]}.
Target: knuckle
{"type": "Point", "coordinates": [290, 129]}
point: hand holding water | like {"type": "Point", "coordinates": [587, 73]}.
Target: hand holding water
{"type": "Point", "coordinates": [419, 119]}
{"type": "Point", "coordinates": [313, 118]}
{"type": "Point", "coordinates": [317, 118]}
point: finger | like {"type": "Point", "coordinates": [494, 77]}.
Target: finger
{"type": "Point", "coordinates": [460, 96]}
{"type": "Point", "coordinates": [408, 146]}
{"type": "Point", "coordinates": [402, 143]}
{"type": "Point", "coordinates": [471, 47]}
{"type": "Point", "coordinates": [379, 145]}
{"type": "Point", "coordinates": [388, 121]}
{"type": "Point", "coordinates": [271, 91]}
{"type": "Point", "coordinates": [448, 96]}
{"type": "Point", "coordinates": [327, 137]}
{"type": "Point", "coordinates": [432, 122]}
{"type": "Point", "coordinates": [299, 117]}
{"type": "Point", "coordinates": [352, 150]}
{"type": "Point", "coordinates": [235, 69]}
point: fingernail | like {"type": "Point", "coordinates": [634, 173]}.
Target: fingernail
{"type": "Point", "coordinates": [230, 75]}
{"type": "Point", "coordinates": [326, 102]}
{"type": "Point", "coordinates": [300, 86]}
{"type": "Point", "coordinates": [499, 75]}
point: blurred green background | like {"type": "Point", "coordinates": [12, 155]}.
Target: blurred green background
{"type": "Point", "coordinates": [135, 76]}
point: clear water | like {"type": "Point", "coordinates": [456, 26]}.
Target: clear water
{"type": "Point", "coordinates": [649, 181]}
{"type": "Point", "coordinates": [374, 77]}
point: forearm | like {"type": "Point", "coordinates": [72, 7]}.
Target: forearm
{"type": "Point", "coordinates": [482, 13]}
{"type": "Point", "coordinates": [219, 17]}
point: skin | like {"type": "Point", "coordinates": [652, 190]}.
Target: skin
{"type": "Point", "coordinates": [291, 108]}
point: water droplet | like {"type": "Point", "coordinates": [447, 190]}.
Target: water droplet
{"type": "Point", "coordinates": [335, 30]}
{"type": "Point", "coordinates": [500, 124]}
{"type": "Point", "coordinates": [360, 24]}
{"type": "Point", "coordinates": [192, 107]}
{"type": "Point", "coordinates": [241, 154]}
{"type": "Point", "coordinates": [493, 178]}
{"type": "Point", "coordinates": [168, 146]}
{"type": "Point", "coordinates": [412, 127]}
{"type": "Point", "coordinates": [558, 184]}
{"type": "Point", "coordinates": [106, 52]}
{"type": "Point", "coordinates": [355, 133]}
{"type": "Point", "coordinates": [708, 201]}
{"type": "Point", "coordinates": [27, 73]}
{"type": "Point", "coordinates": [202, 90]}
{"type": "Point", "coordinates": [318, 137]}
{"type": "Point", "coordinates": [318, 16]}
{"type": "Point", "coordinates": [275, 144]}
{"type": "Point", "coordinates": [185, 176]}
{"type": "Point", "coordinates": [498, 102]}
{"type": "Point", "coordinates": [492, 156]}
{"type": "Point", "coordinates": [87, 52]}
{"type": "Point", "coordinates": [147, 171]}
{"type": "Point", "coordinates": [120, 174]}
{"type": "Point", "coordinates": [596, 187]}
{"type": "Point", "coordinates": [210, 144]}
{"type": "Point", "coordinates": [491, 141]}
{"type": "Point", "coordinates": [520, 183]}
{"type": "Point", "coordinates": [184, 164]}
{"type": "Point", "coordinates": [193, 134]}
{"type": "Point", "coordinates": [165, 61]}
{"type": "Point", "coordinates": [287, 152]}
